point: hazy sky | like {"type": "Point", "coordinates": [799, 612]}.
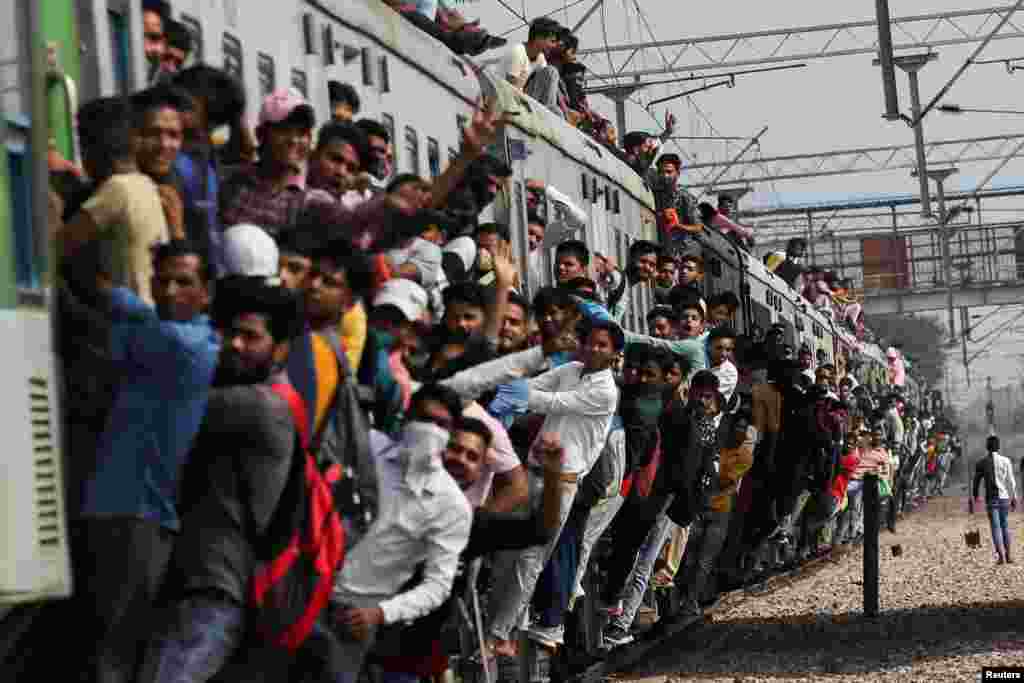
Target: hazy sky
{"type": "Point", "coordinates": [832, 104]}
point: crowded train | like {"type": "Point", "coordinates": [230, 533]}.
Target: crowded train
{"type": "Point", "coordinates": [356, 345]}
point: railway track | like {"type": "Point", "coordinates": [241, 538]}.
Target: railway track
{"type": "Point", "coordinates": [620, 661]}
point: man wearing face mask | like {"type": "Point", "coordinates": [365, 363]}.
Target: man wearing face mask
{"type": "Point", "coordinates": [232, 485]}
{"type": "Point", "coordinates": [424, 519]}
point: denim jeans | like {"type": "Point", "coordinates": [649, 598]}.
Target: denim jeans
{"type": "Point", "coordinates": [997, 518]}
{"type": "Point", "coordinates": [196, 640]}
{"type": "Point", "coordinates": [636, 584]}
{"type": "Point", "coordinates": [707, 536]}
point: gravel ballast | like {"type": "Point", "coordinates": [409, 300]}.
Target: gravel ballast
{"type": "Point", "coordinates": [946, 611]}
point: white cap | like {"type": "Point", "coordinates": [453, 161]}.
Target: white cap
{"type": "Point", "coordinates": [250, 251]}
{"type": "Point", "coordinates": [406, 296]}
{"type": "Point", "coordinates": [465, 247]}
{"type": "Point", "coordinates": [892, 352]}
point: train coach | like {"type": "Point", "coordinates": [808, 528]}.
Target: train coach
{"type": "Point", "coordinates": [64, 52]}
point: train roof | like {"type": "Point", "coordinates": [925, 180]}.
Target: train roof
{"type": "Point", "coordinates": [380, 22]}
{"type": "Point", "coordinates": [537, 120]}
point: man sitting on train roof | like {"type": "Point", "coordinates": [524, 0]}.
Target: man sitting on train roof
{"type": "Point", "coordinates": [525, 58]}
{"type": "Point", "coordinates": [445, 24]}
{"type": "Point", "coordinates": [789, 266]}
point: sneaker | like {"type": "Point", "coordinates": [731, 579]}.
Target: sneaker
{"type": "Point", "coordinates": [613, 609]}
{"type": "Point", "coordinates": [548, 636]}
{"type": "Point", "coordinates": [616, 637]}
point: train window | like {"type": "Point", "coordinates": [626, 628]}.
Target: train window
{"type": "Point", "coordinates": [385, 77]}
{"type": "Point", "coordinates": [586, 186]}
{"type": "Point", "coordinates": [120, 48]}
{"type": "Point", "coordinates": [715, 266]}
{"type": "Point", "coordinates": [433, 157]}
{"type": "Point", "coordinates": [616, 205]}
{"type": "Point", "coordinates": [196, 30]}
{"type": "Point", "coordinates": [232, 48]}
{"type": "Point", "coordinates": [308, 39]}
{"type": "Point", "coordinates": [388, 121]}
{"type": "Point", "coordinates": [607, 198]}
{"type": "Point", "coordinates": [266, 73]}
{"type": "Point", "coordinates": [367, 66]}
{"type": "Point", "coordinates": [412, 146]}
{"type": "Point", "coordinates": [328, 38]}
{"type": "Point", "coordinates": [460, 124]}
{"type": "Point", "coordinates": [300, 82]}
{"type": "Point", "coordinates": [593, 190]}
{"type": "Point", "coordinates": [452, 154]}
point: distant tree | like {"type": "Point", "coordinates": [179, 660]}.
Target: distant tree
{"type": "Point", "coordinates": [921, 338]}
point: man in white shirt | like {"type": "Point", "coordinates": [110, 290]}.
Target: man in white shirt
{"type": "Point", "coordinates": [996, 471]}
{"type": "Point", "coordinates": [424, 518]}
{"type": "Point", "coordinates": [579, 399]}
{"type": "Point", "coordinates": [525, 58]}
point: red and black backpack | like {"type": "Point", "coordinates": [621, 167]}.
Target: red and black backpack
{"type": "Point", "coordinates": [303, 546]}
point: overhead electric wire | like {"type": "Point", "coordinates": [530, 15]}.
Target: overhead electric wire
{"type": "Point", "coordinates": [548, 14]}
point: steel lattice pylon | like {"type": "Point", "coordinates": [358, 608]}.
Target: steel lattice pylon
{"type": "Point", "coordinates": [858, 160]}
{"type": "Point", "coordinates": [920, 32]}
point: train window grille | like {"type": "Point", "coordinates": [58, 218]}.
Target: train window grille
{"type": "Point", "coordinates": [616, 205]}
{"type": "Point", "coordinates": [195, 29]}
{"type": "Point", "coordinates": [520, 245]}
{"type": "Point", "coordinates": [434, 157]}
{"type": "Point", "coordinates": [328, 38]}
{"type": "Point", "coordinates": [265, 71]}
{"type": "Point", "coordinates": [385, 77]}
{"type": "Point", "coordinates": [715, 266]}
{"type": "Point", "coordinates": [232, 48]}
{"type": "Point", "coordinates": [120, 48]}
{"type": "Point", "coordinates": [593, 191]}
{"type": "Point", "coordinates": [586, 186]}
{"type": "Point", "coordinates": [300, 82]}
{"type": "Point", "coordinates": [607, 198]}
{"type": "Point", "coordinates": [308, 34]}
{"type": "Point", "coordinates": [367, 67]}
{"type": "Point", "coordinates": [388, 121]}
{"type": "Point", "coordinates": [412, 146]}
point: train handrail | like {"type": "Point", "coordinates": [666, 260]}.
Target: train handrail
{"type": "Point", "coordinates": [55, 74]}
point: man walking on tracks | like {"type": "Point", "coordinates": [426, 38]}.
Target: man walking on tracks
{"type": "Point", "coordinates": [1000, 496]}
